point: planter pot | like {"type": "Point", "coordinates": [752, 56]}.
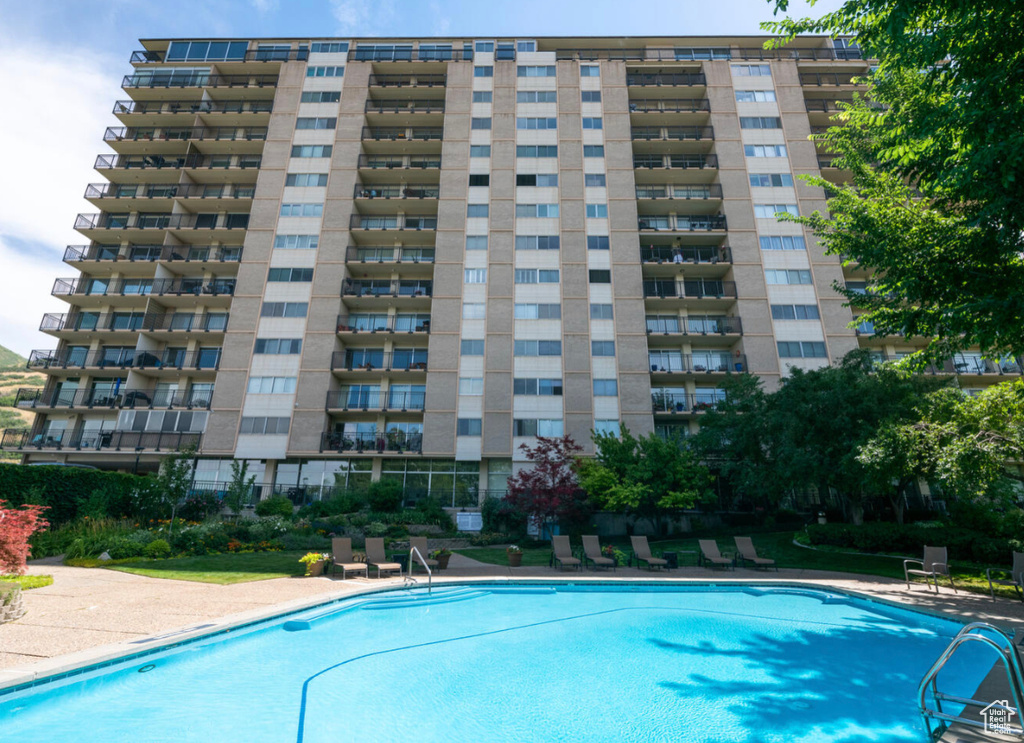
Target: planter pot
{"type": "Point", "coordinates": [442, 561]}
{"type": "Point", "coordinates": [317, 568]}
{"type": "Point", "coordinates": [515, 559]}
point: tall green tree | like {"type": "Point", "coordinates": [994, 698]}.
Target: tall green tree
{"type": "Point", "coordinates": [946, 116]}
{"type": "Point", "coordinates": [240, 487]}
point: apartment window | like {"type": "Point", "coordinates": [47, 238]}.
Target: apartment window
{"type": "Point", "coordinates": [755, 96]}
{"type": "Point", "coordinates": [764, 150]}
{"type": "Point", "coordinates": [482, 96]}
{"type": "Point", "coordinates": [537, 387]}
{"type": "Point", "coordinates": [476, 276]}
{"type": "Point", "coordinates": [474, 310]}
{"type": "Point", "coordinates": [541, 122]}
{"type": "Point", "coordinates": [788, 276]}
{"type": "Point", "coordinates": [480, 123]}
{"type": "Point", "coordinates": [760, 122]}
{"type": "Point", "coordinates": [471, 386]}
{"type": "Point", "coordinates": [795, 312]}
{"type": "Point", "coordinates": [602, 348]}
{"type": "Point", "coordinates": [536, 210]}
{"type": "Point", "coordinates": [752, 70]}
{"type": "Point", "coordinates": [264, 426]}
{"type": "Point", "coordinates": [601, 312]}
{"type": "Point", "coordinates": [606, 388]}
{"type": "Point", "coordinates": [536, 96]}
{"type": "Point", "coordinates": [485, 46]}
{"type": "Point", "coordinates": [469, 427]}
{"type": "Point", "coordinates": [768, 211]}
{"type": "Point", "coordinates": [538, 312]}
{"type": "Point", "coordinates": [302, 210]}
{"type": "Point", "coordinates": [284, 309]}
{"type": "Point", "coordinates": [597, 211]}
{"type": "Point", "coordinates": [537, 179]}
{"type": "Point", "coordinates": [783, 243]}
{"type": "Point", "coordinates": [271, 385]}
{"type": "Point", "coordinates": [535, 70]}
{"type": "Point", "coordinates": [537, 150]}
{"type": "Point", "coordinates": [537, 348]}
{"type": "Point", "coordinates": [328, 47]}
{"type": "Point", "coordinates": [594, 180]}
{"type": "Point", "coordinates": [316, 122]}
{"type": "Point", "coordinates": [329, 71]}
{"type": "Point", "coordinates": [296, 242]}
{"type": "Point", "coordinates": [801, 349]}
{"type": "Point", "coordinates": [536, 276]}
{"type": "Point", "coordinates": [593, 150]}
{"type": "Point", "coordinates": [206, 51]}
{"type": "Point", "coordinates": [770, 180]}
{"type": "Point", "coordinates": [537, 242]}
{"type": "Point", "coordinates": [598, 242]}
{"type": "Point", "coordinates": [476, 210]}
{"type": "Point", "coordinates": [472, 348]}
{"type": "Point", "coordinates": [476, 242]}
{"type": "Point", "coordinates": [609, 427]}
{"type": "Point", "coordinates": [295, 275]}
{"type": "Point", "coordinates": [600, 276]}
{"type": "Point", "coordinates": [278, 346]}
{"type": "Point", "coordinates": [312, 150]}
{"type": "Point", "coordinates": [590, 70]}
{"type": "Point", "coordinates": [593, 122]}
{"type": "Point", "coordinates": [478, 179]}
{"type": "Point", "coordinates": [526, 46]}
{"type": "Point", "coordinates": [305, 180]}
{"type": "Point", "coordinates": [480, 150]}
{"type": "Point", "coordinates": [483, 72]}
{"type": "Point", "coordinates": [320, 96]}
{"type": "Point", "coordinates": [591, 96]}
{"type": "Point", "coordinates": [534, 427]}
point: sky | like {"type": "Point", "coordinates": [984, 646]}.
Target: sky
{"type": "Point", "coordinates": [63, 60]}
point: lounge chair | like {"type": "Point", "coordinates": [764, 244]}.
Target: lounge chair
{"type": "Point", "coordinates": [746, 552]}
{"type": "Point", "coordinates": [642, 553]}
{"type": "Point", "coordinates": [710, 556]}
{"type": "Point", "coordinates": [341, 554]}
{"type": "Point", "coordinates": [375, 556]}
{"type": "Point", "coordinates": [1016, 577]}
{"type": "Point", "coordinates": [933, 565]}
{"type": "Point", "coordinates": [592, 553]}
{"type": "Point", "coordinates": [561, 553]}
{"type": "Point", "coordinates": [420, 543]}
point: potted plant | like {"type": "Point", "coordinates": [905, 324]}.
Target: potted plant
{"type": "Point", "coordinates": [515, 556]}
{"type": "Point", "coordinates": [315, 563]}
{"type": "Point", "coordinates": [442, 556]}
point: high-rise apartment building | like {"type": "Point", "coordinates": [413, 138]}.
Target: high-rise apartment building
{"type": "Point", "coordinates": [342, 259]}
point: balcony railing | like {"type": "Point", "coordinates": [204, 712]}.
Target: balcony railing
{"type": "Point", "coordinates": [131, 322]}
{"type": "Point", "coordinates": [682, 223]}
{"type": "Point", "coordinates": [825, 105]}
{"type": "Point", "coordinates": [828, 78]}
{"type": "Point", "coordinates": [675, 161]}
{"type": "Point", "coordinates": [130, 441]}
{"type": "Point", "coordinates": [169, 134]}
{"type": "Point", "coordinates": [110, 398]}
{"type": "Point", "coordinates": [187, 253]}
{"type": "Point", "coordinates": [192, 107]}
{"type": "Point", "coordinates": [374, 400]}
{"type": "Point", "coordinates": [376, 360]}
{"type": "Point", "coordinates": [667, 133]}
{"type": "Point", "coordinates": [397, 222]}
{"type": "Point", "coordinates": [670, 191]}
{"type": "Point", "coordinates": [386, 324]}
{"type": "Point", "coordinates": [387, 288]}
{"type": "Point", "coordinates": [407, 81]}
{"type": "Point", "coordinates": [669, 105]}
{"type": "Point", "coordinates": [685, 254]}
{"type": "Point", "coordinates": [695, 325]}
{"type": "Point", "coordinates": [659, 79]}
{"type": "Point", "coordinates": [141, 221]}
{"type": "Point", "coordinates": [403, 106]}
{"type": "Point", "coordinates": [125, 358]}
{"type": "Point", "coordinates": [411, 191]}
{"type": "Point", "coordinates": [253, 55]}
{"type": "Point", "coordinates": [407, 55]}
{"type": "Point", "coordinates": [158, 162]}
{"type": "Point", "coordinates": [683, 402]}
{"type": "Point", "coordinates": [798, 54]}
{"type": "Point", "coordinates": [389, 162]}
{"type": "Point", "coordinates": [176, 79]}
{"type": "Point", "coordinates": [142, 287]}
{"type": "Point", "coordinates": [389, 254]}
{"type": "Point", "coordinates": [395, 442]}
{"type": "Point", "coordinates": [401, 133]}
{"type": "Point", "coordinates": [170, 191]}
{"type": "Point", "coordinates": [690, 289]}
{"type": "Point", "coordinates": [697, 363]}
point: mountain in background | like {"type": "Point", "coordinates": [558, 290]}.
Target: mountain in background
{"type": "Point", "coordinates": [10, 360]}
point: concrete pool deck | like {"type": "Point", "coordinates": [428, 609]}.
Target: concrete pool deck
{"type": "Point", "coordinates": [92, 615]}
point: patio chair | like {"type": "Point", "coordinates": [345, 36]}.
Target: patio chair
{"type": "Point", "coordinates": [642, 553]}
{"type": "Point", "coordinates": [1016, 577]}
{"type": "Point", "coordinates": [592, 553]}
{"type": "Point", "coordinates": [420, 544]}
{"type": "Point", "coordinates": [746, 552]}
{"type": "Point", "coordinates": [933, 565]}
{"type": "Point", "coordinates": [341, 554]}
{"type": "Point", "coordinates": [710, 556]}
{"type": "Point", "coordinates": [375, 556]}
{"type": "Point", "coordinates": [561, 553]}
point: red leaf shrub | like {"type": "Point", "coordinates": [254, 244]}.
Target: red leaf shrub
{"type": "Point", "coordinates": [16, 526]}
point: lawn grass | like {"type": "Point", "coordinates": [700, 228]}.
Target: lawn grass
{"type": "Point", "coordinates": [28, 582]}
{"type": "Point", "coordinates": [223, 569]}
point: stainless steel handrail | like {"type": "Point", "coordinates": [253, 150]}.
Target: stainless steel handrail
{"type": "Point", "coordinates": [423, 562]}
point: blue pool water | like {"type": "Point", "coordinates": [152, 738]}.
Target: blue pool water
{"type": "Point", "coordinates": [494, 663]}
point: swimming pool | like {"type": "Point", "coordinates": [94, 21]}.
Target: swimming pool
{"type": "Point", "coordinates": [527, 662]}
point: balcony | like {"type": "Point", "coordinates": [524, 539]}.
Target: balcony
{"type": "Point", "coordinates": [85, 286]}
{"type": "Point", "coordinates": [663, 79]}
{"type": "Point", "coordinates": [666, 363]}
{"type": "Point", "coordinates": [174, 78]}
{"type": "Point", "coordinates": [146, 56]}
{"type": "Point", "coordinates": [659, 169]}
{"type": "Point", "coordinates": [384, 324]}
{"type": "Point", "coordinates": [799, 54]}
{"type": "Point", "coordinates": [389, 254]}
{"type": "Point", "coordinates": [389, 162]}
{"type": "Point", "coordinates": [394, 134]}
{"type": "Point", "coordinates": [132, 323]}
{"type": "Point", "coordinates": [191, 107]}
{"type": "Point", "coordinates": [403, 54]}
{"type": "Point", "coordinates": [126, 358]}
{"type": "Point", "coordinates": [141, 221]}
{"type": "Point", "coordinates": [671, 133]}
{"type": "Point", "coordinates": [377, 360]}
{"type": "Point", "coordinates": [828, 78]}
{"type": "Point", "coordinates": [665, 198]}
{"type": "Point", "coordinates": [366, 401]}
{"type": "Point", "coordinates": [380, 442]}
{"type": "Point", "coordinates": [705, 326]}
{"type": "Point", "coordinates": [147, 194]}
{"type": "Point", "coordinates": [684, 403]}
{"type": "Point", "coordinates": [386, 288]}
{"type": "Point", "coordinates": [129, 441]}
{"type": "Point", "coordinates": [680, 223]}
{"type": "Point", "coordinates": [702, 290]}
{"type": "Point", "coordinates": [148, 399]}
{"type": "Point", "coordinates": [408, 81]}
{"type": "Point", "coordinates": [152, 253]}
{"type": "Point", "coordinates": [151, 135]}
{"type": "Point", "coordinates": [359, 223]}
{"type": "Point", "coordinates": [159, 162]}
{"type": "Point", "coordinates": [823, 105]}
{"type": "Point", "coordinates": [410, 191]}
{"type": "Point", "coordinates": [404, 106]}
{"type": "Point", "coordinates": [669, 105]}
{"type": "Point", "coordinates": [685, 254]}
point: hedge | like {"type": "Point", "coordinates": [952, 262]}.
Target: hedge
{"type": "Point", "coordinates": [909, 540]}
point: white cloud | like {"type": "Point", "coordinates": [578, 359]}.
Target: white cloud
{"type": "Point", "coordinates": [57, 103]}
{"type": "Point", "coordinates": [363, 17]}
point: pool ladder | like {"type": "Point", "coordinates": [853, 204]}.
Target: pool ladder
{"type": "Point", "coordinates": [423, 561]}
{"type": "Point", "coordinates": [1004, 647]}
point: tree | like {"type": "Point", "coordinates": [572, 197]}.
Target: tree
{"type": "Point", "coordinates": [549, 492]}
{"type": "Point", "coordinates": [240, 487]}
{"type": "Point", "coordinates": [645, 477]}
{"type": "Point", "coordinates": [17, 525]}
{"type": "Point", "coordinates": [893, 459]}
{"type": "Point", "coordinates": [175, 479]}
{"type": "Point", "coordinates": [944, 113]}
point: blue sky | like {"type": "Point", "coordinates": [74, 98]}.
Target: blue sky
{"type": "Point", "coordinates": [62, 62]}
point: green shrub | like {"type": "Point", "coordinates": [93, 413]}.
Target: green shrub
{"type": "Point", "coordinates": [70, 492]}
{"type": "Point", "coordinates": [376, 529]}
{"type": "Point", "coordinates": [964, 545]}
{"type": "Point", "coordinates": [121, 548]}
{"type": "Point", "coordinates": [485, 538]}
{"type": "Point", "coordinates": [157, 549]}
{"type": "Point", "coordinates": [384, 495]}
{"type": "Point", "coordinates": [276, 506]}
{"type": "Point", "coordinates": [340, 503]}
{"type": "Point", "coordinates": [265, 529]}
{"type": "Point", "coordinates": [310, 542]}
{"type": "Point", "coordinates": [199, 507]}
